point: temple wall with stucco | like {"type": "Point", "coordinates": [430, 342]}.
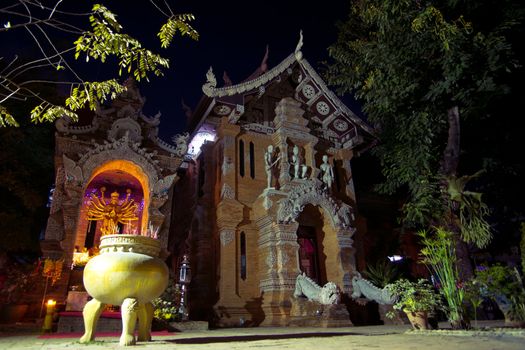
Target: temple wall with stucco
{"type": "Point", "coordinates": [241, 204]}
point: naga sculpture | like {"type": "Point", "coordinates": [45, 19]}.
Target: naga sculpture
{"type": "Point", "coordinates": [364, 287]}
{"type": "Point", "coordinates": [329, 294]}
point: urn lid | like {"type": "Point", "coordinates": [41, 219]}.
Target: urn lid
{"type": "Point", "coordinates": [130, 244]}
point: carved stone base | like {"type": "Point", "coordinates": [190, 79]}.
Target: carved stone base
{"type": "Point", "coordinates": [307, 313]}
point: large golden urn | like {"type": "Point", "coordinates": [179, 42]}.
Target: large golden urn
{"type": "Point", "coordinates": [128, 272]}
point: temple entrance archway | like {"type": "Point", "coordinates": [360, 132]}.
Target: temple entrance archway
{"type": "Point", "coordinates": [310, 238]}
{"type": "Point", "coordinates": [117, 176]}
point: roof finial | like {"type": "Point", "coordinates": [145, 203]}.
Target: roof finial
{"type": "Point", "coordinates": [211, 82]}
{"type": "Point", "coordinates": [226, 79]}
{"type": "Point", "coordinates": [298, 53]}
{"type": "Point", "coordinates": [264, 63]}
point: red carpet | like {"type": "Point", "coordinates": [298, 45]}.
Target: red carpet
{"type": "Point", "coordinates": [98, 335]}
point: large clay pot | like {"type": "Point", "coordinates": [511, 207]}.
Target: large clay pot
{"type": "Point", "coordinates": [129, 273]}
{"type": "Point", "coordinates": [418, 319]}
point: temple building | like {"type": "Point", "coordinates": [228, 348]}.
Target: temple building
{"type": "Point", "coordinates": [259, 191]}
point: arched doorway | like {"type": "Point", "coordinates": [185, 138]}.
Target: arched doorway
{"type": "Point", "coordinates": [310, 237]}
{"type": "Point", "coordinates": [113, 177]}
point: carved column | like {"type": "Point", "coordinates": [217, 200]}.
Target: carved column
{"type": "Point", "coordinates": [230, 307]}
{"type": "Point", "coordinates": [70, 210]}
{"type": "Point", "coordinates": [227, 134]}
{"type": "Point", "coordinates": [229, 214]}
{"type": "Point", "coordinates": [345, 156]}
{"type": "Point", "coordinates": [278, 259]}
{"type": "Point", "coordinates": [346, 259]}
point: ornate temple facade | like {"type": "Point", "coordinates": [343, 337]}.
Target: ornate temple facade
{"type": "Point", "coordinates": [115, 153]}
{"type": "Point", "coordinates": [272, 192]}
{"type": "Point", "coordinates": [263, 192]}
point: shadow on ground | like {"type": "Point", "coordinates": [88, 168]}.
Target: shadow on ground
{"type": "Point", "coordinates": [226, 339]}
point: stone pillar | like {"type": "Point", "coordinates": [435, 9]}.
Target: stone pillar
{"type": "Point", "coordinates": [70, 211]}
{"type": "Point", "coordinates": [345, 156]}
{"type": "Point", "coordinates": [230, 307]}
{"type": "Point", "coordinates": [346, 259]}
{"type": "Point", "coordinates": [229, 214]}
{"type": "Point", "coordinates": [278, 268]}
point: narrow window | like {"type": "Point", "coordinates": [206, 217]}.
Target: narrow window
{"type": "Point", "coordinates": [241, 158]}
{"type": "Point", "coordinates": [243, 256]}
{"type": "Point", "coordinates": [252, 161]}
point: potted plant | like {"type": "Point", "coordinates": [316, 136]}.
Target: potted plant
{"type": "Point", "coordinates": [416, 299]}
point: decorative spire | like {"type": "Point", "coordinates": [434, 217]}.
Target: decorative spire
{"type": "Point", "coordinates": [226, 79]}
{"type": "Point", "coordinates": [298, 53]}
{"type": "Point", "coordinates": [211, 82]}
{"type": "Point", "coordinates": [264, 63]}
{"type": "Point", "coordinates": [263, 67]}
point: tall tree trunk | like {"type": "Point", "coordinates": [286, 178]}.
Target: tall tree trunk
{"type": "Point", "coordinates": [450, 168]}
{"type": "Point", "coordinates": [451, 155]}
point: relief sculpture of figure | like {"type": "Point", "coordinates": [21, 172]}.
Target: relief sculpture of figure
{"type": "Point", "coordinates": [327, 172]}
{"type": "Point", "coordinates": [269, 164]}
{"type": "Point", "coordinates": [112, 213]}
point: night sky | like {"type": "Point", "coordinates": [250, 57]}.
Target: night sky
{"type": "Point", "coordinates": [233, 38]}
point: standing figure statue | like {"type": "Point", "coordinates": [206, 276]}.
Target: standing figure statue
{"type": "Point", "coordinates": [327, 172]}
{"type": "Point", "coordinates": [296, 161]}
{"type": "Point", "coordinates": [269, 164]}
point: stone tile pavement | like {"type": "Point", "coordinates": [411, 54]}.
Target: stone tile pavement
{"type": "Point", "coordinates": [396, 337]}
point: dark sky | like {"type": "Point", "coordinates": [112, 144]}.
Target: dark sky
{"type": "Point", "coordinates": [233, 38]}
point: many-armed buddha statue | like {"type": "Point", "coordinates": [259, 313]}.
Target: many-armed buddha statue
{"type": "Point", "coordinates": [112, 213]}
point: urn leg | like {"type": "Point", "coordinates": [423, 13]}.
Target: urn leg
{"type": "Point", "coordinates": [145, 318]}
{"type": "Point", "coordinates": [129, 320]}
{"type": "Point", "coordinates": [91, 313]}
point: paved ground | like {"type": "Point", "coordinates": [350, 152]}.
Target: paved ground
{"type": "Point", "coordinates": [355, 338]}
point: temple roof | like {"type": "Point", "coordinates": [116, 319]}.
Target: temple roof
{"type": "Point", "coordinates": [330, 118]}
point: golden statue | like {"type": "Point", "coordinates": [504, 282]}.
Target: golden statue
{"type": "Point", "coordinates": [112, 213]}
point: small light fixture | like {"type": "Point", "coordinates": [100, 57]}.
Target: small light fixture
{"type": "Point", "coordinates": [395, 258]}
{"type": "Point", "coordinates": [185, 271]}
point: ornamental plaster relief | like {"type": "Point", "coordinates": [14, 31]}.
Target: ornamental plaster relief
{"type": "Point", "coordinates": [123, 126]}
{"type": "Point", "coordinates": [271, 259]}
{"type": "Point", "coordinates": [258, 128]}
{"type": "Point", "coordinates": [311, 192]}
{"type": "Point", "coordinates": [55, 228]}
{"type": "Point", "coordinates": [58, 193]}
{"type": "Point", "coordinates": [118, 150]}
{"type": "Point", "coordinates": [162, 187]}
{"type": "Point", "coordinates": [226, 236]}
{"type": "Point", "coordinates": [227, 192]}
{"type": "Point", "coordinates": [284, 260]}
{"type": "Point", "coordinates": [277, 284]}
